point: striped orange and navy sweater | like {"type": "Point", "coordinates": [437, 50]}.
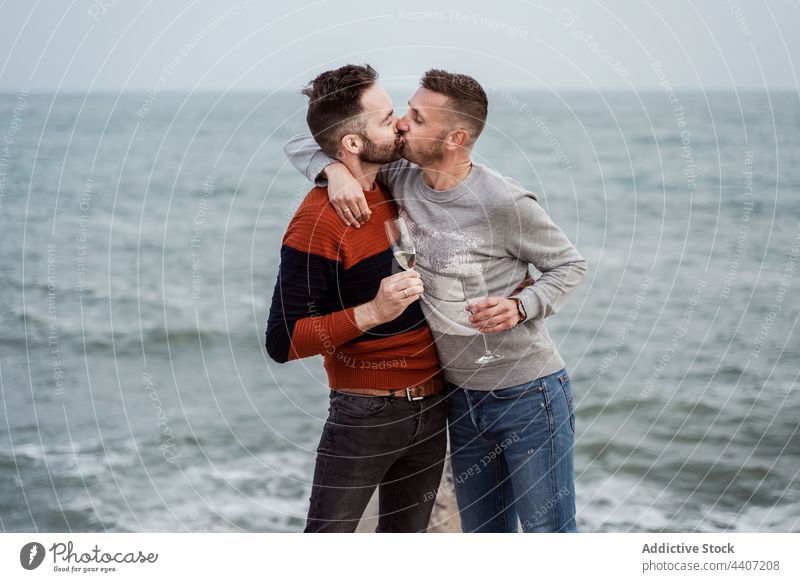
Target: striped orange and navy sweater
{"type": "Point", "coordinates": [326, 270]}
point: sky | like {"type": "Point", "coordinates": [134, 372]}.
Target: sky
{"type": "Point", "coordinates": [203, 45]}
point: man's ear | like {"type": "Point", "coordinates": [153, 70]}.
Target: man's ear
{"type": "Point", "coordinates": [352, 143]}
{"type": "Point", "coordinates": [457, 139]}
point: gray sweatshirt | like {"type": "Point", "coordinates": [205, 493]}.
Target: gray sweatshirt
{"type": "Point", "coordinates": [490, 226]}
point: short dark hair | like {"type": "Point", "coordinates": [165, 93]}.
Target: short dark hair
{"type": "Point", "coordinates": [335, 104]}
{"type": "Point", "coordinates": [466, 97]}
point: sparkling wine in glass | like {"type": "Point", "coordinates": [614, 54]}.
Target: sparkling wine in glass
{"type": "Point", "coordinates": [474, 287]}
{"type": "Point", "coordinates": [402, 243]}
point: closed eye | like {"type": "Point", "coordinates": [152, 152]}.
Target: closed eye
{"type": "Point", "coordinates": [417, 118]}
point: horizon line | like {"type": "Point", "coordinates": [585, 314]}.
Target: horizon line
{"type": "Point", "coordinates": [137, 91]}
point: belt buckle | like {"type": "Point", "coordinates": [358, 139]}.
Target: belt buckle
{"type": "Point", "coordinates": [408, 395]}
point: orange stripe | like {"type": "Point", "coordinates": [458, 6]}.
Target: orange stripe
{"type": "Point", "coordinates": [316, 228]}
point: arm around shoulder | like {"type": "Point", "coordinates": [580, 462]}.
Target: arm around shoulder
{"type": "Point", "coordinates": [306, 156]}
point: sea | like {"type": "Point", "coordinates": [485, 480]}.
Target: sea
{"type": "Point", "coordinates": [140, 236]}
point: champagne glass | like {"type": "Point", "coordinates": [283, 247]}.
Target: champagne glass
{"type": "Point", "coordinates": [402, 243]}
{"type": "Point", "coordinates": [474, 287]}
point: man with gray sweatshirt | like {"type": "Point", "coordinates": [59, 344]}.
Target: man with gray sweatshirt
{"type": "Point", "coordinates": [511, 417]}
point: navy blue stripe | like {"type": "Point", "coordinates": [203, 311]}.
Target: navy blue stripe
{"type": "Point", "coordinates": [310, 284]}
{"type": "Point", "coordinates": [361, 282]}
{"type": "Point", "coordinates": [304, 280]}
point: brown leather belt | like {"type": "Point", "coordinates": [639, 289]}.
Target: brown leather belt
{"type": "Point", "coordinates": [429, 388]}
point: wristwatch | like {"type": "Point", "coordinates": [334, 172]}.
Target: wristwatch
{"type": "Point", "coordinates": [520, 310]}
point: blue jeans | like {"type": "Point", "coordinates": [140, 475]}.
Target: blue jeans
{"type": "Point", "coordinates": [512, 456]}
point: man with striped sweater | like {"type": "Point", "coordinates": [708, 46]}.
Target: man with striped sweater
{"type": "Point", "coordinates": [336, 296]}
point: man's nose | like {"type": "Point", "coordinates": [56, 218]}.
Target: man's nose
{"type": "Point", "coordinates": [402, 125]}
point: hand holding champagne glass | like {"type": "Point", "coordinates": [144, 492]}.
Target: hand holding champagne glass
{"type": "Point", "coordinates": [474, 287]}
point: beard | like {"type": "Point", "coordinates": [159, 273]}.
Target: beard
{"type": "Point", "coordinates": [423, 152]}
{"type": "Point", "coordinates": [374, 153]}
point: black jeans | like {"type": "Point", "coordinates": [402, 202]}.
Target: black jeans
{"type": "Point", "coordinates": [378, 441]}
